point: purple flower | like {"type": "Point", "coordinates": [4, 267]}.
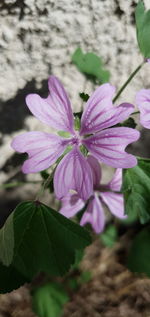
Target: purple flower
{"type": "Point", "coordinates": [143, 103]}
{"type": "Point", "coordinates": [103, 194]}
{"type": "Point", "coordinates": [73, 172]}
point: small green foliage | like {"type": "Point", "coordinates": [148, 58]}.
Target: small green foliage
{"type": "Point", "coordinates": [77, 123]}
{"type": "Point", "coordinates": [45, 241]}
{"type": "Point", "coordinates": [7, 241]}
{"type": "Point", "coordinates": [64, 134]}
{"type": "Point", "coordinates": [73, 283]}
{"type": "Point", "coordinates": [48, 300]}
{"type": "Point", "coordinates": [78, 258]}
{"type": "Point", "coordinates": [130, 123]}
{"type": "Point", "coordinates": [130, 220]}
{"type": "Point", "coordinates": [78, 114]}
{"type": "Point", "coordinates": [84, 96]}
{"type": "Point", "coordinates": [139, 255]}
{"type": "Point", "coordinates": [136, 188]}
{"type": "Point", "coordinates": [91, 65]}
{"type": "Point", "coordinates": [142, 18]}
{"type": "Point", "coordinates": [110, 235]}
{"type": "Point", "coordinates": [44, 174]}
{"type": "Point", "coordinates": [85, 277]}
{"type": "Point", "coordinates": [84, 150]}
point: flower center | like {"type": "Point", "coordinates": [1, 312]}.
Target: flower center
{"type": "Point", "coordinates": [76, 139]}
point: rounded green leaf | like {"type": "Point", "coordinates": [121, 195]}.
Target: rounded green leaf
{"type": "Point", "coordinates": [48, 300]}
{"type": "Point", "coordinates": [136, 189]}
{"type": "Point", "coordinates": [142, 18]}
{"type": "Point", "coordinates": [45, 241]}
{"type": "Point", "coordinates": [91, 65]}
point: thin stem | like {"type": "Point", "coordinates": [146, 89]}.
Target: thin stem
{"type": "Point", "coordinates": [45, 184]}
{"type": "Point", "coordinates": [136, 112]}
{"type": "Point", "coordinates": [128, 81]}
{"type": "Point", "coordinates": [15, 184]}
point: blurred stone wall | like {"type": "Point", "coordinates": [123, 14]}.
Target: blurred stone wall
{"type": "Point", "coordinates": [38, 37]}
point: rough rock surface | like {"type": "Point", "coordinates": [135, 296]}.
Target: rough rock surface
{"type": "Point", "coordinates": [37, 37]}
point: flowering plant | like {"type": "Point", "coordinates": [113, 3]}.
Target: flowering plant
{"type": "Point", "coordinates": [35, 238]}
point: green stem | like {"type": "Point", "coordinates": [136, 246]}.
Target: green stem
{"type": "Point", "coordinates": [136, 112]}
{"type": "Point", "coordinates": [44, 186]}
{"type": "Point", "coordinates": [15, 184]}
{"type": "Point", "coordinates": [128, 81]}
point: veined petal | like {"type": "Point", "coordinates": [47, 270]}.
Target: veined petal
{"type": "Point", "coordinates": [94, 215]}
{"type": "Point", "coordinates": [108, 146]}
{"type": "Point", "coordinates": [113, 116]}
{"type": "Point", "coordinates": [96, 109]}
{"type": "Point", "coordinates": [43, 149]}
{"type": "Point", "coordinates": [73, 172]}
{"type": "Point", "coordinates": [116, 182]}
{"type": "Point", "coordinates": [96, 170]}
{"type": "Point", "coordinates": [115, 203]}
{"type": "Point", "coordinates": [55, 110]}
{"type": "Point", "coordinates": [71, 205]}
{"type": "Point", "coordinates": [108, 117]}
{"type": "Point", "coordinates": [143, 103]}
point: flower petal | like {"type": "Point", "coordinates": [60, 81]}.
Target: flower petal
{"type": "Point", "coordinates": [96, 170]}
{"type": "Point", "coordinates": [55, 110]}
{"type": "Point", "coordinates": [108, 146]}
{"type": "Point", "coordinates": [115, 115]}
{"type": "Point", "coordinates": [143, 103]}
{"type": "Point", "coordinates": [43, 149]}
{"type": "Point", "coordinates": [73, 172]}
{"type": "Point", "coordinates": [116, 182]}
{"type": "Point", "coordinates": [115, 203]}
{"type": "Point", "coordinates": [108, 117]}
{"type": "Point", "coordinates": [71, 204]}
{"type": "Point", "coordinates": [94, 215]}
{"type": "Point", "coordinates": [95, 109]}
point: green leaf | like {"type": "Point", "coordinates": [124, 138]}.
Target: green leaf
{"type": "Point", "coordinates": [44, 174]}
{"type": "Point", "coordinates": [130, 122]}
{"type": "Point", "coordinates": [91, 65]}
{"type": "Point", "coordinates": [78, 258]}
{"type": "Point", "coordinates": [45, 240]}
{"type": "Point", "coordinates": [7, 241]}
{"type": "Point", "coordinates": [48, 300]}
{"type": "Point", "coordinates": [142, 18]}
{"type": "Point", "coordinates": [109, 237]}
{"type": "Point", "coordinates": [130, 220]}
{"type": "Point", "coordinates": [10, 279]}
{"type": "Point", "coordinates": [136, 188]}
{"type": "Point", "coordinates": [139, 255]}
